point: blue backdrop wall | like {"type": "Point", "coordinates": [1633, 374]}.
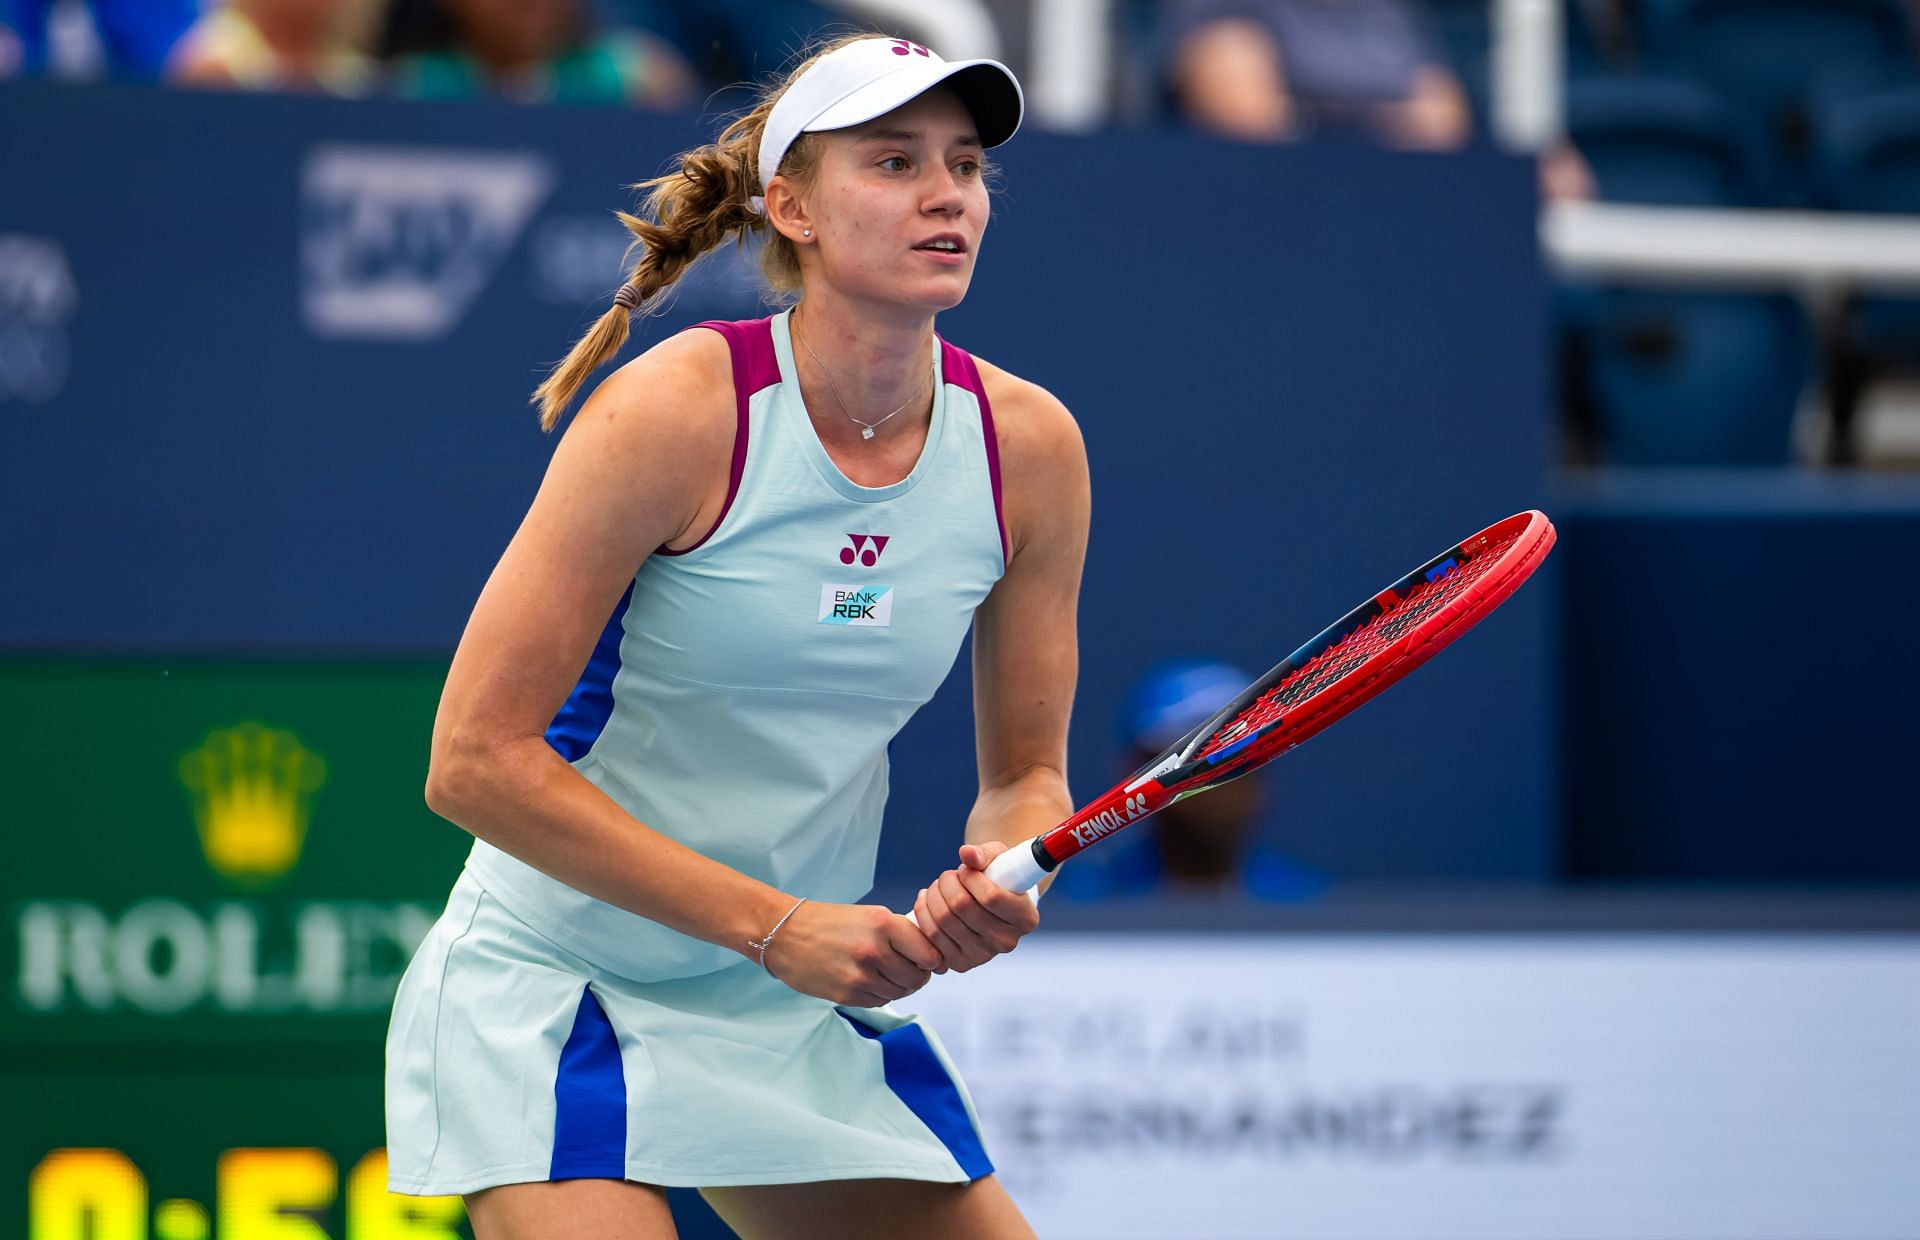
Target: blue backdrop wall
{"type": "Point", "coordinates": [1740, 682]}
{"type": "Point", "coordinates": [267, 361]}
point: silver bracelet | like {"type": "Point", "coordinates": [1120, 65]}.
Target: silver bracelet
{"type": "Point", "coordinates": [764, 944]}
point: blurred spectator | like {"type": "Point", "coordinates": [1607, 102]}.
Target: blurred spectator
{"type": "Point", "coordinates": [133, 36]}
{"type": "Point", "coordinates": [733, 43]}
{"type": "Point", "coordinates": [1272, 70]}
{"type": "Point", "coordinates": [1565, 175]}
{"type": "Point", "coordinates": [1204, 845]}
{"type": "Point", "coordinates": [302, 45]}
{"type": "Point", "coordinates": [533, 51]}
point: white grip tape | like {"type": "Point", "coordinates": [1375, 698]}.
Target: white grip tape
{"type": "Point", "coordinates": [1016, 870]}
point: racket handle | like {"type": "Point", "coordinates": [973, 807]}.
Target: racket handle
{"type": "Point", "coordinates": [1017, 869]}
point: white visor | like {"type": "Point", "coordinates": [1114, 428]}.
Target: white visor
{"type": "Point", "coordinates": [873, 77]}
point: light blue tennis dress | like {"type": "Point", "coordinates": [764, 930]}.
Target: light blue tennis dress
{"type": "Point", "coordinates": [740, 701]}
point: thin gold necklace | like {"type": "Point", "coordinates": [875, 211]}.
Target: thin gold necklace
{"type": "Point", "coordinates": [866, 428]}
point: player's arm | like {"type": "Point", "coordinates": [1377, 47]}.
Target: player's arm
{"type": "Point", "coordinates": [1025, 660]}
{"type": "Point", "coordinates": [635, 471]}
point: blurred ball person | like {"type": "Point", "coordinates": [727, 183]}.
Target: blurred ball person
{"type": "Point", "coordinates": [532, 51]}
{"type": "Point", "coordinates": [287, 45]}
{"type": "Point", "coordinates": [1206, 845]}
{"type": "Point", "coordinates": [755, 554]}
{"type": "Point", "coordinates": [1273, 70]}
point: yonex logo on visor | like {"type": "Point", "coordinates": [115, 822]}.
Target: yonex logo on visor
{"type": "Point", "coordinates": [871, 77]}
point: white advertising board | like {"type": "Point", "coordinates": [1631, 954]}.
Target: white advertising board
{"type": "Point", "coordinates": [1490, 1087]}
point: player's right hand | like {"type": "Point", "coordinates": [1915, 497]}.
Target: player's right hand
{"type": "Point", "coordinates": [859, 955]}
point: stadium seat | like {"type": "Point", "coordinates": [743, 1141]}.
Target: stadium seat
{"type": "Point", "coordinates": [1663, 141]}
{"type": "Point", "coordinates": [1763, 54]}
{"type": "Point", "coordinates": [1866, 145]}
{"type": "Point", "coordinates": [1686, 378]}
{"type": "Point", "coordinates": [1465, 31]}
{"type": "Point", "coordinates": [1662, 377]}
{"type": "Point", "coordinates": [1867, 148]}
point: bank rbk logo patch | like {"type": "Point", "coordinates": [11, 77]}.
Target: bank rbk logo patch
{"type": "Point", "coordinates": [863, 549]}
{"type": "Point", "coordinates": [861, 606]}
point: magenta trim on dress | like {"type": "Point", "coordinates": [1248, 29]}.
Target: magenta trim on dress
{"type": "Point", "coordinates": [750, 343]}
{"type": "Point", "coordinates": [957, 365]}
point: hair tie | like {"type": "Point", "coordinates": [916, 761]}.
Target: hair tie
{"type": "Point", "coordinates": [628, 296]}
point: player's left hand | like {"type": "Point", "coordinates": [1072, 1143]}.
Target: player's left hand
{"type": "Point", "coordinates": [971, 918]}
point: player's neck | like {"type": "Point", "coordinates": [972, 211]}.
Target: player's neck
{"type": "Point", "coordinates": [874, 362]}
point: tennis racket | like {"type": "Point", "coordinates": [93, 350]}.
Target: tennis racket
{"type": "Point", "coordinates": [1324, 681]}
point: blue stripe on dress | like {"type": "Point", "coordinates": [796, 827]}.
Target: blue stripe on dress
{"type": "Point", "coordinates": [918, 1078]}
{"type": "Point", "coordinates": [586, 711]}
{"type": "Point", "coordinates": [590, 1100]}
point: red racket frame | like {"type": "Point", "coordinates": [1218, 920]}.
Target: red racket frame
{"type": "Point", "coordinates": [1195, 763]}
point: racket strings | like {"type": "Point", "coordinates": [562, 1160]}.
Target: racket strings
{"type": "Point", "coordinates": [1343, 657]}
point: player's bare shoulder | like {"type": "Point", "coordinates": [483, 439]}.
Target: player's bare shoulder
{"type": "Point", "coordinates": [1043, 459]}
{"type": "Point", "coordinates": [654, 442]}
{"type": "Point", "coordinates": [1030, 420]}
{"type": "Point", "coordinates": [677, 395]}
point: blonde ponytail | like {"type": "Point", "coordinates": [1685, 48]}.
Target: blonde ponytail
{"type": "Point", "coordinates": [687, 213]}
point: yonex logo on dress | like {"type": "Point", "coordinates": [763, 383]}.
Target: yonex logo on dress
{"type": "Point", "coordinates": [864, 548]}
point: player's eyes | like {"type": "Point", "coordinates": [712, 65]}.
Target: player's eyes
{"type": "Point", "coordinates": [894, 163]}
{"type": "Point", "coordinates": [968, 167]}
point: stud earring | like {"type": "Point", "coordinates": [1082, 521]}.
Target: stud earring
{"type": "Point", "coordinates": [806, 232]}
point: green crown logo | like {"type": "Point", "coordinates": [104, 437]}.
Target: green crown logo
{"type": "Point", "coordinates": [252, 787]}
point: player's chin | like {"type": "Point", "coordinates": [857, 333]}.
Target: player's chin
{"type": "Point", "coordinates": [942, 291]}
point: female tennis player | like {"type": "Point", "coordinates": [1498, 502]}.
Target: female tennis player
{"type": "Point", "coordinates": [653, 971]}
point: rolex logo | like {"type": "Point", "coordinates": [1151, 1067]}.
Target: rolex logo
{"type": "Point", "coordinates": [252, 787]}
